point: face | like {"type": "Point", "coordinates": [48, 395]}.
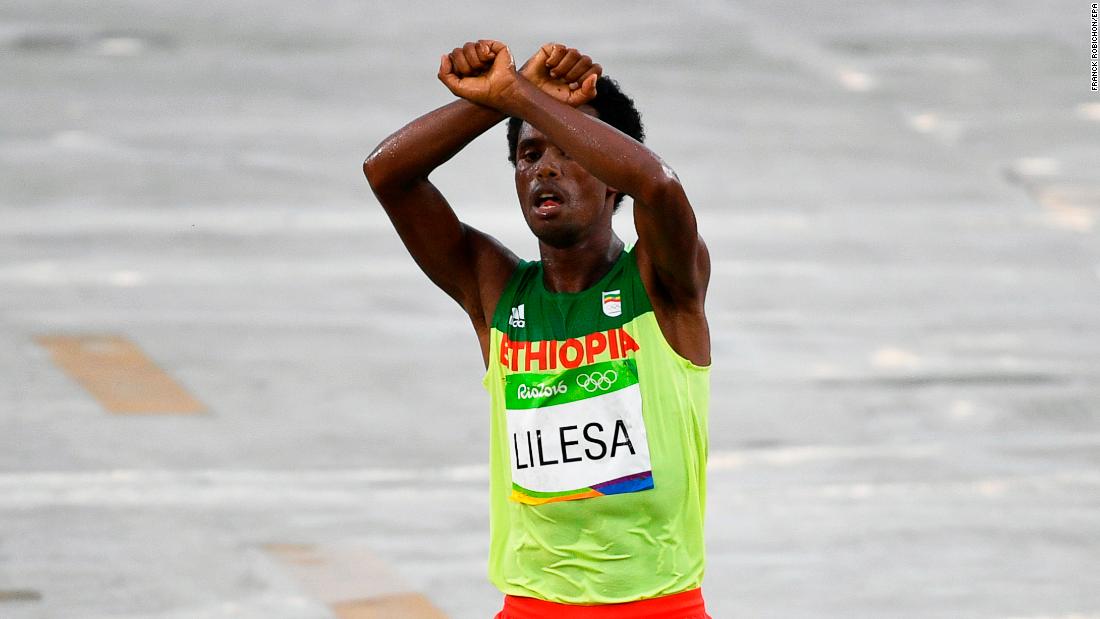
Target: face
{"type": "Point", "coordinates": [562, 203]}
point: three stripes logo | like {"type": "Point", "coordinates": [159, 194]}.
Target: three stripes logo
{"type": "Point", "coordinates": [516, 319]}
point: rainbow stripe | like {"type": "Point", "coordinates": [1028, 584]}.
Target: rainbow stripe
{"type": "Point", "coordinates": [629, 483]}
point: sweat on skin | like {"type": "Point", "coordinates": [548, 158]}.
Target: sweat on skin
{"type": "Point", "coordinates": [642, 379]}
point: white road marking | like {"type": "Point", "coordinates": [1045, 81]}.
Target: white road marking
{"type": "Point", "coordinates": [925, 123]}
{"type": "Point", "coordinates": [201, 271]}
{"type": "Point", "coordinates": [354, 487]}
{"type": "Point", "coordinates": [120, 46]}
{"type": "Point", "coordinates": [962, 409]}
{"type": "Point", "coordinates": [1089, 111]}
{"type": "Point", "coordinates": [770, 268]}
{"type": "Point", "coordinates": [934, 125]}
{"type": "Point", "coordinates": [894, 358]}
{"type": "Point", "coordinates": [76, 140]}
{"type": "Point", "coordinates": [127, 279]}
{"type": "Point", "coordinates": [856, 81]}
{"type": "Point", "coordinates": [1069, 208]}
{"type": "Point", "coordinates": [797, 455]}
{"type": "Point", "coordinates": [1036, 166]}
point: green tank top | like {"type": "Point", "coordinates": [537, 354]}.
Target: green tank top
{"type": "Point", "coordinates": [598, 440]}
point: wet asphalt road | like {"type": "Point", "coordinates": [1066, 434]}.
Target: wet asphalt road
{"type": "Point", "coordinates": [901, 200]}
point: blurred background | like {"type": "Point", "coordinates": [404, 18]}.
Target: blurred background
{"type": "Point", "coordinates": [227, 391]}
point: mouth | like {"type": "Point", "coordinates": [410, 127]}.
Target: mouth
{"type": "Point", "coordinates": [547, 202]}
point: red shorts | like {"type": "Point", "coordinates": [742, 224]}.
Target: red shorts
{"type": "Point", "coordinates": [686, 605]}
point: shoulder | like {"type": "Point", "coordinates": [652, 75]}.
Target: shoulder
{"type": "Point", "coordinates": [508, 285]}
{"type": "Point", "coordinates": [685, 292]}
{"type": "Point", "coordinates": [679, 306]}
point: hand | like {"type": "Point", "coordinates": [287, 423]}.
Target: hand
{"type": "Point", "coordinates": [563, 73]}
{"type": "Point", "coordinates": [482, 72]}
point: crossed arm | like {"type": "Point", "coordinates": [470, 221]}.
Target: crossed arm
{"type": "Point", "coordinates": [471, 266]}
{"type": "Point", "coordinates": [464, 262]}
{"type": "Point", "coordinates": [467, 264]}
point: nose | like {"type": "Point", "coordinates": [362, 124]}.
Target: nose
{"type": "Point", "coordinates": [548, 167]}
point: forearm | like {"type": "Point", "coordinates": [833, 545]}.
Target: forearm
{"type": "Point", "coordinates": [610, 155]}
{"type": "Point", "coordinates": [412, 152]}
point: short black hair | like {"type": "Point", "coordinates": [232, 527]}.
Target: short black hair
{"type": "Point", "coordinates": [612, 106]}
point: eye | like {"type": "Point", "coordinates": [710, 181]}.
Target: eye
{"type": "Point", "coordinates": [530, 155]}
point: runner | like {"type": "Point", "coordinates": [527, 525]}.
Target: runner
{"type": "Point", "coordinates": [597, 355]}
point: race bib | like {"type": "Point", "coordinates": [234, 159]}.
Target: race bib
{"type": "Point", "coordinates": [577, 434]}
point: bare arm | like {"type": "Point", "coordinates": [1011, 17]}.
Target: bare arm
{"type": "Point", "coordinates": [668, 235]}
{"type": "Point", "coordinates": [467, 264]}
{"type": "Point", "coordinates": [452, 254]}
{"type": "Point", "coordinates": [674, 262]}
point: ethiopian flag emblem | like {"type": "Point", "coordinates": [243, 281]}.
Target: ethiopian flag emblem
{"type": "Point", "coordinates": [612, 303]}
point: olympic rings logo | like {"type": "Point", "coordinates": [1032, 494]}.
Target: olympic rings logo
{"type": "Point", "coordinates": [597, 381]}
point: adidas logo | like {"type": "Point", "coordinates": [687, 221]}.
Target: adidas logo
{"type": "Point", "coordinates": [516, 319]}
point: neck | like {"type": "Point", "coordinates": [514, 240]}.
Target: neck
{"type": "Point", "coordinates": [577, 268]}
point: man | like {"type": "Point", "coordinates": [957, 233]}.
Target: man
{"type": "Point", "coordinates": [597, 355]}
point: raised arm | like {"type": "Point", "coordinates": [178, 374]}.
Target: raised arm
{"type": "Point", "coordinates": [470, 266]}
{"type": "Point", "coordinates": [668, 238]}
{"type": "Point", "coordinates": [464, 262]}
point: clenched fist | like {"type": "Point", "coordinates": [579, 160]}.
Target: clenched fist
{"type": "Point", "coordinates": [563, 73]}
{"type": "Point", "coordinates": [481, 71]}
